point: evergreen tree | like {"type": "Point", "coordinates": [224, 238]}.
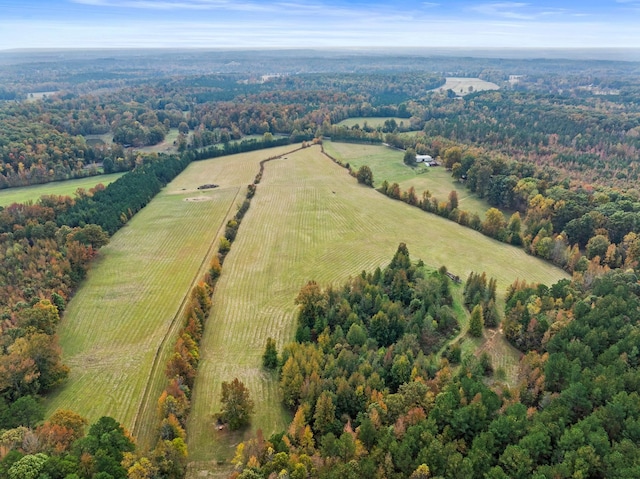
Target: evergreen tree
{"type": "Point", "coordinates": [476, 323]}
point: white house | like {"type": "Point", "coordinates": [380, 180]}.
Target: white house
{"type": "Point", "coordinates": [423, 158]}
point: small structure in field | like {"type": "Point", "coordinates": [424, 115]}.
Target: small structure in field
{"type": "Point", "coordinates": [426, 159]}
{"type": "Point", "coordinates": [455, 278]}
{"type": "Point", "coordinates": [207, 186]}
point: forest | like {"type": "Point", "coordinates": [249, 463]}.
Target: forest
{"type": "Point", "coordinates": [375, 385]}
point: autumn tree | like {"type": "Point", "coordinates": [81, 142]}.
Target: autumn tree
{"type": "Point", "coordinates": [453, 200]}
{"type": "Point", "coordinates": [237, 406]}
{"type": "Point", "coordinates": [494, 224]}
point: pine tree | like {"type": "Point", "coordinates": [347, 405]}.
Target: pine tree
{"type": "Point", "coordinates": [476, 323]}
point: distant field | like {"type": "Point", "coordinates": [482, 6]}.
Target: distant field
{"type": "Point", "coordinates": [165, 146]}
{"type": "Point", "coordinates": [311, 220]}
{"type": "Point", "coordinates": [463, 86]}
{"type": "Point", "coordinates": [62, 188]}
{"type": "Point", "coordinates": [386, 164]}
{"type": "Point", "coordinates": [117, 321]}
{"type": "Point", "coordinates": [373, 122]}
{"type": "Point", "coordinates": [104, 139]}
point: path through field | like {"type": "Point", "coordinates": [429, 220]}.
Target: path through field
{"type": "Point", "coordinates": [311, 220]}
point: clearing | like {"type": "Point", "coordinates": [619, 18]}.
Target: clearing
{"type": "Point", "coordinates": [463, 86]}
{"type": "Point", "coordinates": [310, 220]}
{"type": "Point", "coordinates": [60, 188]}
{"type": "Point", "coordinates": [375, 122]}
{"type": "Point", "coordinates": [386, 164]}
{"type": "Point", "coordinates": [120, 326]}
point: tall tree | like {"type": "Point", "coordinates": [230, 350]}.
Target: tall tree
{"type": "Point", "coordinates": [476, 322]}
{"type": "Point", "coordinates": [237, 406]}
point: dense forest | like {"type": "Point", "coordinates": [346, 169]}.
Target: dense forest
{"type": "Point", "coordinates": [372, 400]}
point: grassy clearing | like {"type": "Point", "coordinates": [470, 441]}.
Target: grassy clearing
{"type": "Point", "coordinates": [115, 324]}
{"type": "Point", "coordinates": [103, 139]}
{"type": "Point", "coordinates": [373, 122]}
{"type": "Point", "coordinates": [165, 146]}
{"type": "Point", "coordinates": [311, 220]}
{"type": "Point", "coordinates": [463, 86]}
{"type": "Point", "coordinates": [62, 188]}
{"type": "Point", "coordinates": [386, 164]}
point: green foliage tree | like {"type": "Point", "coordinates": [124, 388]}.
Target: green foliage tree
{"type": "Point", "coordinates": [476, 322]}
{"type": "Point", "coordinates": [237, 406]}
{"type": "Point", "coordinates": [365, 175]}
{"type": "Point", "coordinates": [409, 157]}
{"type": "Point", "coordinates": [270, 356]}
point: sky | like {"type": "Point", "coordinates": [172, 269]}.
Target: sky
{"type": "Point", "coordinates": [318, 24]}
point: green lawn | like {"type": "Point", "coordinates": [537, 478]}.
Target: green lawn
{"type": "Point", "coordinates": [386, 164]}
{"type": "Point", "coordinates": [311, 220]}
{"type": "Point", "coordinates": [61, 188]}
{"type": "Point", "coordinates": [120, 326]}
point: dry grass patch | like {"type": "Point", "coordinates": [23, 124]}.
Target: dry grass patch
{"type": "Point", "coordinates": [463, 86]}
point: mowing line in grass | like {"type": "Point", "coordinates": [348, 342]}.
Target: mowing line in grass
{"type": "Point", "coordinates": [310, 220]}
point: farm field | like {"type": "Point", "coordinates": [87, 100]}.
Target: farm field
{"type": "Point", "coordinates": [116, 324]}
{"type": "Point", "coordinates": [373, 122]}
{"type": "Point", "coordinates": [463, 86]}
{"type": "Point", "coordinates": [311, 220]}
{"type": "Point", "coordinates": [386, 164]}
{"type": "Point", "coordinates": [61, 188]}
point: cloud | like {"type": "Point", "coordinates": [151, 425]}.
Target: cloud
{"type": "Point", "coordinates": [178, 5]}
{"type": "Point", "coordinates": [512, 10]}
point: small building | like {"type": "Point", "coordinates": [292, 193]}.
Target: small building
{"type": "Point", "coordinates": [426, 159]}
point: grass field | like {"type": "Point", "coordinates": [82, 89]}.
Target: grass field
{"type": "Point", "coordinates": [311, 220]}
{"type": "Point", "coordinates": [463, 86]}
{"type": "Point", "coordinates": [165, 146]}
{"type": "Point", "coordinates": [373, 122]}
{"type": "Point", "coordinates": [386, 164]}
{"type": "Point", "coordinates": [62, 188]}
{"type": "Point", "coordinates": [124, 315]}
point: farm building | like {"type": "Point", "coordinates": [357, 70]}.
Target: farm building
{"type": "Point", "coordinates": [426, 159]}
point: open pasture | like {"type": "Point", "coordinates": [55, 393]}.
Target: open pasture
{"type": "Point", "coordinates": [463, 86]}
{"type": "Point", "coordinates": [386, 164]}
{"type": "Point", "coordinates": [61, 188]}
{"type": "Point", "coordinates": [311, 220]}
{"type": "Point", "coordinates": [120, 326]}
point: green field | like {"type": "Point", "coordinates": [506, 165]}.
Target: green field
{"type": "Point", "coordinates": [62, 188]}
{"type": "Point", "coordinates": [119, 327]}
{"type": "Point", "coordinates": [386, 164]}
{"type": "Point", "coordinates": [373, 122]}
{"type": "Point", "coordinates": [311, 220]}
{"type": "Point", "coordinates": [165, 146]}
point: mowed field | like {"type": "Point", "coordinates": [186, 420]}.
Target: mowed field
{"type": "Point", "coordinates": [386, 164]}
{"type": "Point", "coordinates": [120, 327]}
{"type": "Point", "coordinates": [61, 188]}
{"type": "Point", "coordinates": [463, 86]}
{"type": "Point", "coordinates": [311, 220]}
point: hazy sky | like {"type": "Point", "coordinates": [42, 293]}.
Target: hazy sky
{"type": "Point", "coordinates": [318, 23]}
